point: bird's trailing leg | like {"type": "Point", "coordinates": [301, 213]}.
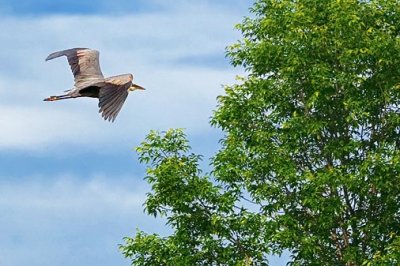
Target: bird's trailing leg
{"type": "Point", "coordinates": [56, 98]}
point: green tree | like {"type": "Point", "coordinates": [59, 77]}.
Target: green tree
{"type": "Point", "coordinates": [310, 160]}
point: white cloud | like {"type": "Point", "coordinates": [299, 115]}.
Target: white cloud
{"type": "Point", "coordinates": [152, 46]}
{"type": "Point", "coordinates": [68, 193]}
{"type": "Point", "coordinates": [27, 126]}
{"type": "Point", "coordinates": [72, 220]}
{"type": "Point", "coordinates": [67, 220]}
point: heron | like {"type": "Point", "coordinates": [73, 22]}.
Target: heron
{"type": "Point", "coordinates": [90, 82]}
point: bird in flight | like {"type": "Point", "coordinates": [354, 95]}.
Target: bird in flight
{"type": "Point", "coordinates": [90, 82]}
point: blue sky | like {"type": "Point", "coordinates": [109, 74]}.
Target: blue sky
{"type": "Point", "coordinates": [70, 184]}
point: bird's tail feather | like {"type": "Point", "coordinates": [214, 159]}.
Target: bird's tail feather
{"type": "Point", "coordinates": [56, 98]}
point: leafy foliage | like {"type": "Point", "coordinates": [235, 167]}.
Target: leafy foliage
{"type": "Point", "coordinates": [206, 225]}
{"type": "Point", "coordinates": [310, 161]}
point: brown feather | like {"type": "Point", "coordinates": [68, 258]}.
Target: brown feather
{"type": "Point", "coordinates": [84, 64]}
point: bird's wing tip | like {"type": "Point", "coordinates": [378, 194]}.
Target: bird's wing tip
{"type": "Point", "coordinates": [54, 55]}
{"type": "Point", "coordinates": [64, 52]}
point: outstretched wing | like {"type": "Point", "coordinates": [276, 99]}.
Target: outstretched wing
{"type": "Point", "coordinates": [113, 94]}
{"type": "Point", "coordinates": [84, 64]}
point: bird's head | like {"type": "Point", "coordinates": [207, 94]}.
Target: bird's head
{"type": "Point", "coordinates": [135, 87]}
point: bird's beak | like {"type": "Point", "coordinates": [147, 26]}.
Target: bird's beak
{"type": "Point", "coordinates": [137, 87]}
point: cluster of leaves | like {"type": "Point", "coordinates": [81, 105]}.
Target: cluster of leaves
{"type": "Point", "coordinates": [206, 226]}
{"type": "Point", "coordinates": [391, 256]}
{"type": "Point", "coordinates": [311, 144]}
